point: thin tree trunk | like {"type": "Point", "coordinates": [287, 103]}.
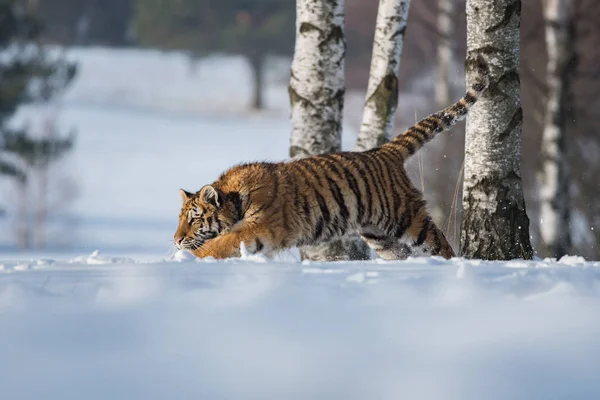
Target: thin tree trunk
{"type": "Point", "coordinates": [317, 92]}
{"type": "Point", "coordinates": [382, 93]}
{"type": "Point", "coordinates": [444, 53]}
{"type": "Point", "coordinates": [554, 193]}
{"type": "Point", "coordinates": [23, 225]}
{"type": "Point", "coordinates": [317, 82]}
{"type": "Point", "coordinates": [41, 211]}
{"type": "Point", "coordinates": [495, 223]}
{"type": "Point", "coordinates": [257, 63]}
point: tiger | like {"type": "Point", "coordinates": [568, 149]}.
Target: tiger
{"type": "Point", "coordinates": [272, 206]}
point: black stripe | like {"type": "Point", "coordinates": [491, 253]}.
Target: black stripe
{"type": "Point", "coordinates": [339, 226]}
{"type": "Point", "coordinates": [308, 164]}
{"type": "Point", "coordinates": [386, 166]}
{"type": "Point", "coordinates": [338, 197]}
{"type": "Point", "coordinates": [394, 183]}
{"type": "Point", "coordinates": [433, 121]}
{"type": "Point", "coordinates": [403, 224]}
{"type": "Point", "coordinates": [318, 229]}
{"type": "Point", "coordinates": [367, 164]}
{"type": "Point", "coordinates": [373, 237]}
{"type": "Point", "coordinates": [320, 200]}
{"type": "Point", "coordinates": [259, 245]}
{"type": "Point", "coordinates": [360, 168]}
{"type": "Point", "coordinates": [448, 118]}
{"type": "Point", "coordinates": [423, 234]}
{"type": "Point", "coordinates": [334, 188]}
{"type": "Point", "coordinates": [418, 136]}
{"type": "Point", "coordinates": [306, 208]}
{"type": "Point", "coordinates": [423, 131]}
{"type": "Point", "coordinates": [236, 200]}
{"type": "Point", "coordinates": [387, 218]}
{"type": "Point", "coordinates": [438, 243]}
{"type": "Point", "coordinates": [469, 98]}
{"type": "Point", "coordinates": [408, 146]}
{"type": "Point", "coordinates": [323, 207]}
{"type": "Point", "coordinates": [426, 123]}
{"type": "Point", "coordinates": [381, 189]}
{"type": "Point", "coordinates": [353, 184]}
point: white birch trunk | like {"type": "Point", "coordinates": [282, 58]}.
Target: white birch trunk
{"type": "Point", "coordinates": [554, 191]}
{"type": "Point", "coordinates": [317, 82]}
{"type": "Point", "coordinates": [444, 53]}
{"type": "Point", "coordinates": [495, 223]}
{"type": "Point", "coordinates": [382, 93]}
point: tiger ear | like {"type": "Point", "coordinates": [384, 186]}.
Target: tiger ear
{"type": "Point", "coordinates": [184, 195]}
{"type": "Point", "coordinates": [210, 195]}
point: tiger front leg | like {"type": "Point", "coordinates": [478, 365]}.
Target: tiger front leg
{"type": "Point", "coordinates": [228, 244]}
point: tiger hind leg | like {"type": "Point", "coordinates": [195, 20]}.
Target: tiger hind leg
{"type": "Point", "coordinates": [425, 238]}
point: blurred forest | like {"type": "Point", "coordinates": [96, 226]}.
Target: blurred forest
{"type": "Point", "coordinates": [259, 28]}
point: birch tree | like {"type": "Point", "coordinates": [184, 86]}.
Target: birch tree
{"type": "Point", "coordinates": [444, 53]}
{"type": "Point", "coordinates": [317, 81]}
{"type": "Point", "coordinates": [554, 193]}
{"type": "Point", "coordinates": [382, 92]}
{"type": "Point", "coordinates": [495, 223]}
{"type": "Point", "coordinates": [317, 91]}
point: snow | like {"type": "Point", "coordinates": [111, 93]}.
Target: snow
{"type": "Point", "coordinates": [254, 328]}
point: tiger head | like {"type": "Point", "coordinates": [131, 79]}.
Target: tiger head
{"type": "Point", "coordinates": [204, 215]}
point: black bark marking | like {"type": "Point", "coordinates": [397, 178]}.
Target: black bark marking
{"type": "Point", "coordinates": [515, 121]}
{"type": "Point", "coordinates": [487, 50]}
{"type": "Point", "coordinates": [513, 8]}
{"type": "Point", "coordinates": [306, 27]}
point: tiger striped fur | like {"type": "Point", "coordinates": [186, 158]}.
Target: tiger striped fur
{"type": "Point", "coordinates": [274, 206]}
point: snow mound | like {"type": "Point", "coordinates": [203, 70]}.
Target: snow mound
{"type": "Point", "coordinates": [96, 259]}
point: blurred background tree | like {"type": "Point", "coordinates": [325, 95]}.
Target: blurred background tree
{"type": "Point", "coordinates": [27, 75]}
{"type": "Point", "coordinates": [252, 28]}
{"type": "Point", "coordinates": [85, 22]}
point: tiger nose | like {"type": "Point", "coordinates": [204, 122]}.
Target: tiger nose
{"type": "Point", "coordinates": [178, 240]}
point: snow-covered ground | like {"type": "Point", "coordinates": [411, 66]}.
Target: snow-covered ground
{"type": "Point", "coordinates": [103, 327]}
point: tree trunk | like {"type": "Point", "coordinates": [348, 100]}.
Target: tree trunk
{"type": "Point", "coordinates": [257, 62]}
{"type": "Point", "coordinates": [41, 211]}
{"type": "Point", "coordinates": [495, 225]}
{"type": "Point", "coordinates": [23, 225]}
{"type": "Point", "coordinates": [554, 193]}
{"type": "Point", "coordinates": [317, 82]}
{"type": "Point", "coordinates": [317, 91]}
{"type": "Point", "coordinates": [444, 53]}
{"type": "Point", "coordinates": [382, 93]}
